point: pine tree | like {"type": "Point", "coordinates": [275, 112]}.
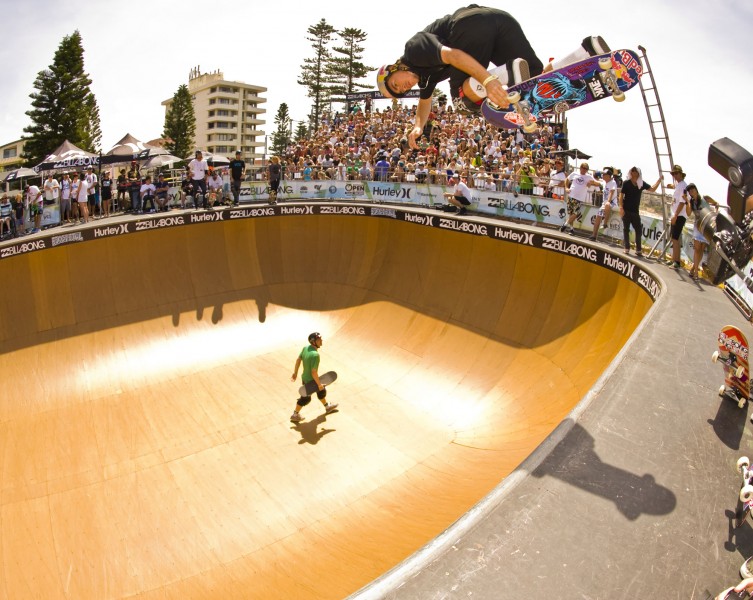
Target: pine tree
{"type": "Point", "coordinates": [347, 68]}
{"type": "Point", "coordinates": [314, 72]}
{"type": "Point", "coordinates": [180, 124]}
{"type": "Point", "coordinates": [283, 133]}
{"type": "Point", "coordinates": [63, 105]}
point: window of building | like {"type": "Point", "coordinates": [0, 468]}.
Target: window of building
{"type": "Point", "coordinates": [10, 153]}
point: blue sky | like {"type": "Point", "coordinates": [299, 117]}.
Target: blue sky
{"type": "Point", "coordinates": [138, 55]}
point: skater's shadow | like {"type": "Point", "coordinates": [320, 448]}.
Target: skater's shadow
{"type": "Point", "coordinates": [310, 432]}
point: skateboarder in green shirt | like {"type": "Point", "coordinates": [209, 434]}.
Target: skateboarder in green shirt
{"type": "Point", "coordinates": [309, 358]}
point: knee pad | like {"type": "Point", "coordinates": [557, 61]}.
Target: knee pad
{"type": "Point", "coordinates": [304, 400]}
{"type": "Point", "coordinates": [321, 394]}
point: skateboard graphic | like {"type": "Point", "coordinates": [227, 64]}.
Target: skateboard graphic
{"type": "Point", "coordinates": [311, 388]}
{"type": "Point", "coordinates": [733, 354]}
{"type": "Point", "coordinates": [745, 497]}
{"type": "Point", "coordinates": [583, 82]}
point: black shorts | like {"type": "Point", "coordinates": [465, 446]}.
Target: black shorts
{"type": "Point", "coordinates": [463, 200]}
{"type": "Point", "coordinates": [678, 227]}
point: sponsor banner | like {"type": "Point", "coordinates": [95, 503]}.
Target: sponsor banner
{"type": "Point", "coordinates": [567, 246]}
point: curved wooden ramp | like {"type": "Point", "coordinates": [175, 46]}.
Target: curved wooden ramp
{"type": "Point", "coordinates": [145, 446]}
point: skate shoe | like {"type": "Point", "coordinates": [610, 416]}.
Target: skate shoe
{"type": "Point", "coordinates": [595, 45]}
{"type": "Point", "coordinates": [330, 406]}
{"type": "Point", "coordinates": [296, 417]}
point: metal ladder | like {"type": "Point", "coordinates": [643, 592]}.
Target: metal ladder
{"type": "Point", "coordinates": [662, 147]}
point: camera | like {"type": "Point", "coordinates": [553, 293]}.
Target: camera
{"type": "Point", "coordinates": [730, 234]}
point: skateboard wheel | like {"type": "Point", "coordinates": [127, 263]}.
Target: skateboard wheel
{"type": "Point", "coordinates": [722, 389]}
{"type": "Point", "coordinates": [605, 63]}
{"type": "Point", "coordinates": [530, 128]}
{"type": "Point", "coordinates": [513, 97]}
{"type": "Point", "coordinates": [743, 463]}
{"type": "Point", "coordinates": [746, 494]}
{"type": "Point", "coordinates": [715, 356]}
{"type": "Point", "coordinates": [618, 96]}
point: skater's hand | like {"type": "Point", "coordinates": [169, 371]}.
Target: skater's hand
{"type": "Point", "coordinates": [497, 94]}
{"type": "Point", "coordinates": [294, 376]}
{"type": "Point", "coordinates": [413, 135]}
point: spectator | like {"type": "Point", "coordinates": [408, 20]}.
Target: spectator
{"type": "Point", "coordinates": [20, 209]}
{"type": "Point", "coordinates": [629, 201]}
{"type": "Point", "coordinates": [237, 174]}
{"type": "Point", "coordinates": [51, 189]}
{"type": "Point", "coordinates": [35, 202]}
{"type": "Point", "coordinates": [123, 188]}
{"type": "Point", "coordinates": [576, 186]}
{"type": "Point", "coordinates": [609, 203]}
{"type": "Point", "coordinates": [75, 184]}
{"type": "Point", "coordinates": [679, 210]}
{"type": "Point", "coordinates": [214, 185]}
{"type": "Point", "coordinates": [65, 198]}
{"type": "Point", "coordinates": [161, 193]}
{"type": "Point", "coordinates": [461, 196]}
{"type": "Point", "coordinates": [274, 172]}
{"type": "Point", "coordinates": [134, 186]}
{"type": "Point", "coordinates": [106, 194]}
{"type": "Point", "coordinates": [92, 187]}
{"type": "Point", "coordinates": [146, 194]}
{"type": "Point", "coordinates": [198, 170]}
{"type": "Point", "coordinates": [82, 197]}
{"type": "Point", "coordinates": [6, 216]}
{"type": "Point", "coordinates": [697, 202]}
{"type": "Point", "coordinates": [381, 169]}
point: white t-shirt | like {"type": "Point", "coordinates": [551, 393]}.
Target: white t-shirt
{"type": "Point", "coordinates": [579, 185]}
{"type": "Point", "coordinates": [677, 199]}
{"type": "Point", "coordinates": [148, 189]}
{"type": "Point", "coordinates": [198, 169]}
{"type": "Point", "coordinates": [65, 187]}
{"type": "Point", "coordinates": [83, 191]}
{"type": "Point", "coordinates": [34, 195]}
{"type": "Point", "coordinates": [51, 189]}
{"type": "Point", "coordinates": [610, 193]}
{"type": "Point", "coordinates": [556, 183]}
{"type": "Point", "coordinates": [462, 190]}
{"type": "Point", "coordinates": [215, 183]}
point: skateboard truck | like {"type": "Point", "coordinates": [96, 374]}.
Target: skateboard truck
{"type": "Point", "coordinates": [609, 79]}
{"type": "Point", "coordinates": [522, 108]}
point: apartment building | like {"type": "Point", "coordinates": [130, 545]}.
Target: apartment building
{"type": "Point", "coordinates": [228, 115]}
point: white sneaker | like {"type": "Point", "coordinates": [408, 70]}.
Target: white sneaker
{"type": "Point", "coordinates": [519, 71]}
{"type": "Point", "coordinates": [296, 417]}
{"type": "Point", "coordinates": [595, 45]}
{"type": "Point", "coordinates": [329, 407]}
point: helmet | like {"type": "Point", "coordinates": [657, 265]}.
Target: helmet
{"type": "Point", "coordinates": [314, 336]}
{"type": "Point", "coordinates": [383, 76]}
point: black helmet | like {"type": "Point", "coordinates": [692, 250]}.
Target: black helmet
{"type": "Point", "coordinates": [314, 336]}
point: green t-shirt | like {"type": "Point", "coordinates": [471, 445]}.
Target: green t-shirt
{"type": "Point", "coordinates": [310, 358]}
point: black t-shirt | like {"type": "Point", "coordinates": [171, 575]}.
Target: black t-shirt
{"type": "Point", "coordinates": [106, 188]}
{"type": "Point", "coordinates": [459, 30]}
{"type": "Point", "coordinates": [274, 171]}
{"type": "Point", "coordinates": [632, 196]}
{"type": "Point", "coordinates": [236, 168]}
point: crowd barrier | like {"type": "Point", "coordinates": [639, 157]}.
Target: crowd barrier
{"type": "Point", "coordinates": [504, 204]}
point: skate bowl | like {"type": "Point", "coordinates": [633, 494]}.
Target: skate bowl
{"type": "Point", "coordinates": [146, 444]}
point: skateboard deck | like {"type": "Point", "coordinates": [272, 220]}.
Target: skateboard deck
{"type": "Point", "coordinates": [733, 354]}
{"type": "Point", "coordinates": [745, 497]}
{"type": "Point", "coordinates": [578, 84]}
{"type": "Point", "coordinates": [311, 387]}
